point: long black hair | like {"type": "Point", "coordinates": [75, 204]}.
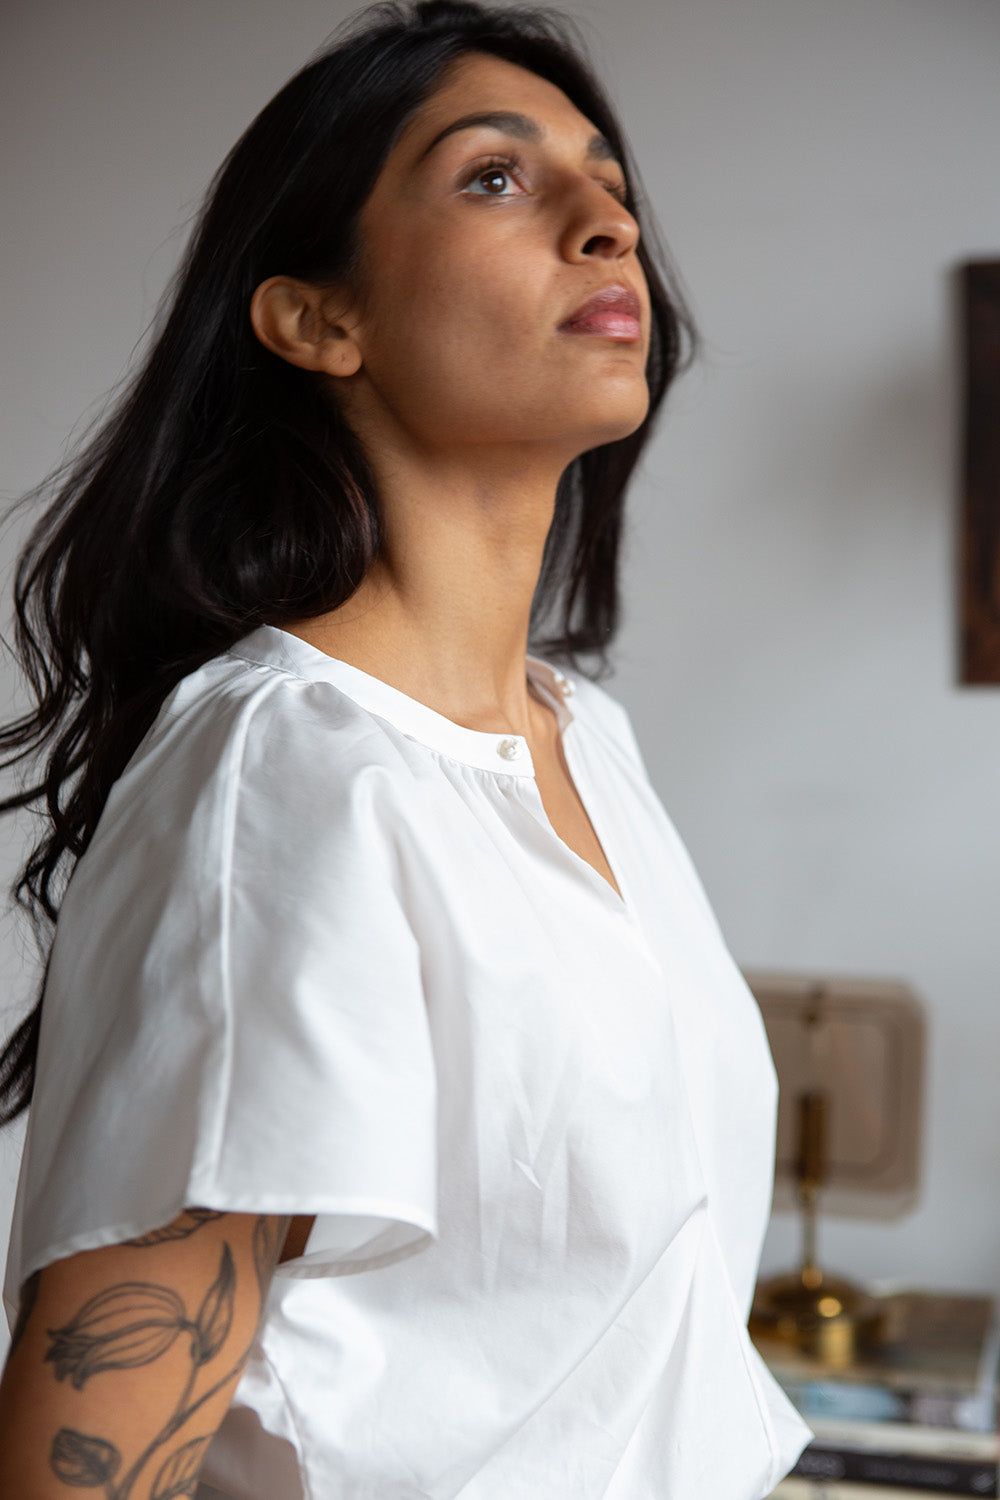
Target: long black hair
{"type": "Point", "coordinates": [225, 491]}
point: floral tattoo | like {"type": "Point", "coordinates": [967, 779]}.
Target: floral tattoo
{"type": "Point", "coordinates": [134, 1324]}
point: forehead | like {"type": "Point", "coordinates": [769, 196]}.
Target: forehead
{"type": "Point", "coordinates": [478, 83]}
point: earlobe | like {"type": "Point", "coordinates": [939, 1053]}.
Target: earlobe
{"type": "Point", "coordinates": [295, 321]}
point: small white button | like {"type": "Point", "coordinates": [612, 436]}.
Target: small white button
{"type": "Point", "coordinates": [509, 749]}
{"type": "Point", "coordinates": [566, 687]}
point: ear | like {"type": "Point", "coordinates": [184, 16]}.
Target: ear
{"type": "Point", "coordinates": [309, 326]}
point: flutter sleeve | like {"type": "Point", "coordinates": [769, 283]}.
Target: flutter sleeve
{"type": "Point", "coordinates": [234, 1016]}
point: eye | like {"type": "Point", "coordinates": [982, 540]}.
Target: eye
{"type": "Point", "coordinates": [496, 177]}
{"type": "Point", "coordinates": [489, 178]}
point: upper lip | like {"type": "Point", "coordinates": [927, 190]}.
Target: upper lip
{"type": "Point", "coordinates": [617, 298]}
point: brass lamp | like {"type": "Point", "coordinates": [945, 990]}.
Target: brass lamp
{"type": "Point", "coordinates": [849, 1061]}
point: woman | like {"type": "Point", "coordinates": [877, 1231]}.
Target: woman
{"type": "Point", "coordinates": [401, 1125]}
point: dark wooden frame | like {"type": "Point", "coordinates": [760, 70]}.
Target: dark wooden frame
{"type": "Point", "coordinates": [979, 283]}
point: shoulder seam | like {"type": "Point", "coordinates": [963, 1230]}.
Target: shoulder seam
{"type": "Point", "coordinates": [236, 756]}
{"type": "Point", "coordinates": [268, 666]}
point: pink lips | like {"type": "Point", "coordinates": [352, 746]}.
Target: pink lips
{"type": "Point", "coordinates": [614, 312]}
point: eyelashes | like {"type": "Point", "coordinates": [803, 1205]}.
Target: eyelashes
{"type": "Point", "coordinates": [513, 166]}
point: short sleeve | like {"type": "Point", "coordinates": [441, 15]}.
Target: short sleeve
{"type": "Point", "coordinates": [234, 1016]}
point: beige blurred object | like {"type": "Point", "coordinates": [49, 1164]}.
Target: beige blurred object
{"type": "Point", "coordinates": [849, 1057]}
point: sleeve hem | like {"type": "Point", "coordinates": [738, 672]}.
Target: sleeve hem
{"type": "Point", "coordinates": [350, 1234]}
{"type": "Point", "coordinates": [396, 1239]}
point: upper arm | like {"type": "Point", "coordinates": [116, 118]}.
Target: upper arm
{"type": "Point", "coordinates": [125, 1358]}
{"type": "Point", "coordinates": [234, 1008]}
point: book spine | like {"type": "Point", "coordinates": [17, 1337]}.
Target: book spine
{"type": "Point", "coordinates": [882, 1403]}
{"type": "Point", "coordinates": [900, 1437]}
{"type": "Point", "coordinates": [949, 1476]}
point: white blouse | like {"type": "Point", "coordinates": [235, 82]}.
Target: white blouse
{"type": "Point", "coordinates": [326, 955]}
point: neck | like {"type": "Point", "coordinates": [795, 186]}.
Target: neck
{"type": "Point", "coordinates": [443, 613]}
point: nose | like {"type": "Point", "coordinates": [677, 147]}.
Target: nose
{"type": "Point", "coordinates": [597, 225]}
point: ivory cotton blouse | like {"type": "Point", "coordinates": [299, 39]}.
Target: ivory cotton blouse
{"type": "Point", "coordinates": [326, 955]}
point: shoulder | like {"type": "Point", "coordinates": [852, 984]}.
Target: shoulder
{"type": "Point", "coordinates": [252, 713]}
{"type": "Point", "coordinates": [260, 805]}
{"type": "Point", "coordinates": [247, 762]}
{"type": "Point", "coordinates": [603, 715]}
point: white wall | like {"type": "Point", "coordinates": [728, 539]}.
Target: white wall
{"type": "Point", "coordinates": [818, 166]}
{"type": "Point", "coordinates": [790, 656]}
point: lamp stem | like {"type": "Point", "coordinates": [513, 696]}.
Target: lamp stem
{"type": "Point", "coordinates": [811, 1273]}
{"type": "Point", "coordinates": [811, 1172]}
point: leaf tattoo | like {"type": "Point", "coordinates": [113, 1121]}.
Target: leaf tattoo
{"type": "Point", "coordinates": [188, 1223]}
{"type": "Point", "coordinates": [215, 1316]}
{"type": "Point", "coordinates": [179, 1475]}
{"type": "Point", "coordinates": [126, 1326]}
{"type": "Point", "coordinates": [85, 1462]}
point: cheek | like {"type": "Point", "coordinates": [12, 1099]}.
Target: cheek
{"type": "Point", "coordinates": [454, 325]}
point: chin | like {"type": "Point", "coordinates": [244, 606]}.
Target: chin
{"type": "Point", "coordinates": [612, 426]}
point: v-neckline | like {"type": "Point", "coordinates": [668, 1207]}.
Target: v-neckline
{"type": "Point", "coordinates": [563, 723]}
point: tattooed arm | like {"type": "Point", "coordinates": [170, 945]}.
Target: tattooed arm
{"type": "Point", "coordinates": [125, 1359]}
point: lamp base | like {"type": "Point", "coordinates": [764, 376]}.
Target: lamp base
{"type": "Point", "coordinates": [825, 1317]}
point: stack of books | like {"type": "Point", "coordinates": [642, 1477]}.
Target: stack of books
{"type": "Point", "coordinates": [915, 1416]}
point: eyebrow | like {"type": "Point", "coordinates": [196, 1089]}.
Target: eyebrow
{"type": "Point", "coordinates": [599, 148]}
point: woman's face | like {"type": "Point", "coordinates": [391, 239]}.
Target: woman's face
{"type": "Point", "coordinates": [479, 242]}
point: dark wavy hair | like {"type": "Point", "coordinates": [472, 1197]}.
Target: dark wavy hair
{"type": "Point", "coordinates": [224, 491]}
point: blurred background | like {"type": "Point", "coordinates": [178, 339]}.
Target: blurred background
{"type": "Point", "coordinates": [789, 654]}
